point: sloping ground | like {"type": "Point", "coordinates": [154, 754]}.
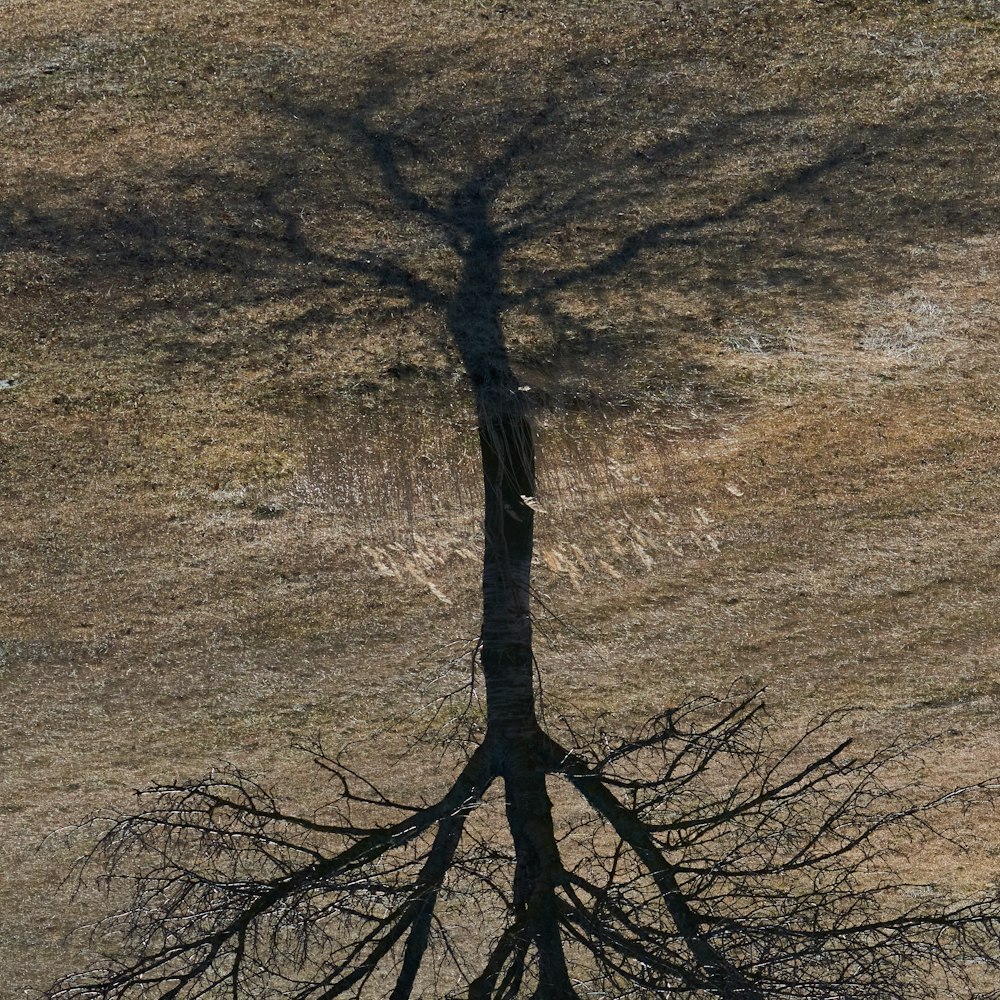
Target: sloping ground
{"type": "Point", "coordinates": [751, 280]}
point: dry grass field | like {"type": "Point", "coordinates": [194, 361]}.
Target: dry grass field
{"type": "Point", "coordinates": [751, 281]}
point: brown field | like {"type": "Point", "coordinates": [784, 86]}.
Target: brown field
{"type": "Point", "coordinates": [752, 282]}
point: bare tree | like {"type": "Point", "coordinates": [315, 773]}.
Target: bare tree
{"type": "Point", "coordinates": [690, 858]}
{"type": "Point", "coordinates": [705, 861]}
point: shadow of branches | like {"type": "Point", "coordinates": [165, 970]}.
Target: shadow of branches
{"type": "Point", "coordinates": [630, 206]}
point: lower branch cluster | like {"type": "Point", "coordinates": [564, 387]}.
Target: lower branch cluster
{"type": "Point", "coordinates": [694, 858]}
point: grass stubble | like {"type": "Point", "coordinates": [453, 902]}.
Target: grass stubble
{"type": "Point", "coordinates": [238, 482]}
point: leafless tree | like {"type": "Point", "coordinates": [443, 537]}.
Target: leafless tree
{"type": "Point", "coordinates": [699, 860]}
{"type": "Point", "coordinates": [692, 857]}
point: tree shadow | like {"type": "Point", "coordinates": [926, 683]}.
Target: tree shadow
{"type": "Point", "coordinates": [597, 227]}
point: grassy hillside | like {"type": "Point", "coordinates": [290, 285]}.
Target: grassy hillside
{"type": "Point", "coordinates": [751, 272]}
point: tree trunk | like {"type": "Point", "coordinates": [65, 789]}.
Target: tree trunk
{"type": "Point", "coordinates": [508, 456]}
{"type": "Point", "coordinates": [514, 738]}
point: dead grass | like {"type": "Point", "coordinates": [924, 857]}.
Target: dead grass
{"type": "Point", "coordinates": [754, 297]}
